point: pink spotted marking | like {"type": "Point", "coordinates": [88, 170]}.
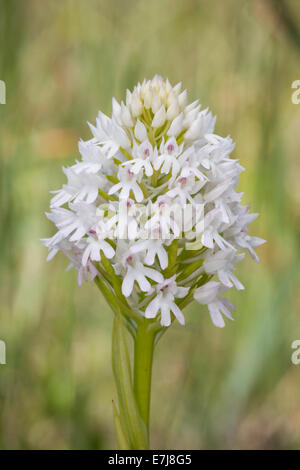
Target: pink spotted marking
{"type": "Point", "coordinates": [182, 181]}
{"type": "Point", "coordinates": [129, 260]}
{"type": "Point", "coordinates": [146, 153]}
{"type": "Point", "coordinates": [170, 148]}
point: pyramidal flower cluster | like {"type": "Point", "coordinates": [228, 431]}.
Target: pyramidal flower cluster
{"type": "Point", "coordinates": [151, 211]}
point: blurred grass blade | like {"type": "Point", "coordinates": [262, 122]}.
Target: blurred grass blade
{"type": "Point", "coordinates": [123, 444]}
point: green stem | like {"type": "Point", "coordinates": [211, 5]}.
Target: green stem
{"type": "Point", "coordinates": [143, 356]}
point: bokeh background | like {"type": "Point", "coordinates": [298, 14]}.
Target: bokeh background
{"type": "Point", "coordinates": [62, 61]}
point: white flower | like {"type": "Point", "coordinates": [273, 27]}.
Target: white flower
{"type": "Point", "coordinates": [75, 222]}
{"type": "Point", "coordinates": [167, 159]}
{"type": "Point", "coordinates": [93, 158]}
{"type": "Point", "coordinates": [243, 240]}
{"type": "Point", "coordinates": [209, 295]}
{"type": "Point", "coordinates": [213, 223]}
{"type": "Point", "coordinates": [222, 263]}
{"type": "Point", "coordinates": [129, 220]}
{"type": "Point", "coordinates": [164, 302]}
{"type": "Point", "coordinates": [94, 247]}
{"type": "Point", "coordinates": [127, 183]}
{"type": "Point", "coordinates": [143, 156]}
{"type": "Point", "coordinates": [185, 188]}
{"type": "Point", "coordinates": [86, 272]}
{"type": "Point", "coordinates": [202, 125]}
{"type": "Point", "coordinates": [153, 247]}
{"type": "Point", "coordinates": [137, 271]}
{"type": "Point", "coordinates": [190, 162]}
{"type": "Point", "coordinates": [130, 197]}
{"type": "Point", "coordinates": [238, 231]}
{"type": "Point", "coordinates": [109, 134]}
{"type": "Point", "coordinates": [163, 216]}
{"type": "Point", "coordinates": [79, 188]}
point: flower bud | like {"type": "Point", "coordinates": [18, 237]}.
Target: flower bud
{"type": "Point", "coordinates": [159, 117]}
{"type": "Point", "coordinates": [140, 131]}
{"type": "Point", "coordinates": [176, 126]}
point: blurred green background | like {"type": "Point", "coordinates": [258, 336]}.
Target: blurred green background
{"type": "Point", "coordinates": [62, 61]}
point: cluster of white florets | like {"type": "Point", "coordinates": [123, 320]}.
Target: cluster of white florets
{"type": "Point", "coordinates": [155, 152]}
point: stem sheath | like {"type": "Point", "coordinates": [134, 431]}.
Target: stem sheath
{"type": "Point", "coordinates": [143, 356]}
